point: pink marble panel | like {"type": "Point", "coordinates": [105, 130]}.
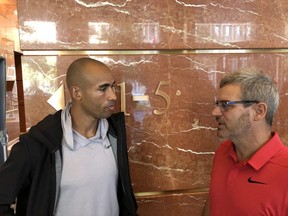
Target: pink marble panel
{"type": "Point", "coordinates": [138, 24]}
{"type": "Point", "coordinates": [174, 204]}
{"type": "Point", "coordinates": [173, 150]}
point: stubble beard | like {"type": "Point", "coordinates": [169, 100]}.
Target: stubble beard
{"type": "Point", "coordinates": [238, 130]}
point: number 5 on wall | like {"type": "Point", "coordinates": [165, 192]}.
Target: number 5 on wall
{"type": "Point", "coordinates": [164, 95]}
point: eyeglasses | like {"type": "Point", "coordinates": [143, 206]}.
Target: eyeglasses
{"type": "Point", "coordinates": [225, 105]}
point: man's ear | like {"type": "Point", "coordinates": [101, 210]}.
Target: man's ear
{"type": "Point", "coordinates": [260, 111]}
{"type": "Point", "coordinates": [76, 93]}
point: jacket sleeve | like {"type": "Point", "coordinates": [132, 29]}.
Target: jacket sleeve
{"type": "Point", "coordinates": [6, 210]}
{"type": "Point", "coordinates": [13, 175]}
{"type": "Point", "coordinates": [127, 202]}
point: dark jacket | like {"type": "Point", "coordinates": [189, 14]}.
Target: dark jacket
{"type": "Point", "coordinates": [30, 172]}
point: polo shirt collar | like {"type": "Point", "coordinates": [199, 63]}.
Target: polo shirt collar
{"type": "Point", "coordinates": [264, 154]}
{"type": "Point", "coordinates": [73, 139]}
{"type": "Point", "coordinates": [100, 136]}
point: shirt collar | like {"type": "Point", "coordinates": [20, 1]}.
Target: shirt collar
{"type": "Point", "coordinates": [73, 139]}
{"type": "Point", "coordinates": [264, 154]}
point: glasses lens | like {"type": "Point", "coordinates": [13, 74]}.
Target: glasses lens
{"type": "Point", "coordinates": [223, 105]}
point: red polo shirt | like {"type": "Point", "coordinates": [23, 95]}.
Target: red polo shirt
{"type": "Point", "coordinates": [255, 187]}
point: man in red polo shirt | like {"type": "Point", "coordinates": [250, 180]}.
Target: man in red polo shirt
{"type": "Point", "coordinates": [250, 169]}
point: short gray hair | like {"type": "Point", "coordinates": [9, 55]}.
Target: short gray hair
{"type": "Point", "coordinates": [256, 86]}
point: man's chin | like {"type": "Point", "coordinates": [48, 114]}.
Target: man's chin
{"type": "Point", "coordinates": [107, 114]}
{"type": "Point", "coordinates": [220, 134]}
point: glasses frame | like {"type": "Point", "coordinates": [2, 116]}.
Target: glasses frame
{"type": "Point", "coordinates": [224, 105]}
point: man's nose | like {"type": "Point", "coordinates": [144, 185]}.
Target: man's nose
{"type": "Point", "coordinates": [216, 111]}
{"type": "Point", "coordinates": [111, 94]}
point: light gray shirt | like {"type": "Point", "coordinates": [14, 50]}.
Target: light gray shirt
{"type": "Point", "coordinates": [89, 175]}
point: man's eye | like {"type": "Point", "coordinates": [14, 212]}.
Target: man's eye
{"type": "Point", "coordinates": [102, 89]}
{"type": "Point", "coordinates": [225, 104]}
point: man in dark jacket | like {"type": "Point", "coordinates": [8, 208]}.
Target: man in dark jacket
{"type": "Point", "coordinates": [73, 162]}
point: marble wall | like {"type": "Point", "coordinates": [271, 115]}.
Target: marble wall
{"type": "Point", "coordinates": [167, 58]}
{"type": "Point", "coordinates": [138, 24]}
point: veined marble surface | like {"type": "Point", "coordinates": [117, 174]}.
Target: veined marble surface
{"type": "Point", "coordinates": [138, 24]}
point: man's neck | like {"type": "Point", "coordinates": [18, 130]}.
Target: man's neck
{"type": "Point", "coordinates": [85, 126]}
{"type": "Point", "coordinates": [245, 148]}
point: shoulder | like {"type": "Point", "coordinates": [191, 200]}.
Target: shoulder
{"type": "Point", "coordinates": [48, 132]}
{"type": "Point", "coordinates": [50, 120]}
{"type": "Point", "coordinates": [281, 158]}
{"type": "Point", "coordinates": [281, 151]}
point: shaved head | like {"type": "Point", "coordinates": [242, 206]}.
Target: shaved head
{"type": "Point", "coordinates": [91, 87]}
{"type": "Point", "coordinates": [76, 72]}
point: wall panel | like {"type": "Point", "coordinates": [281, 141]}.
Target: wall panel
{"type": "Point", "coordinates": [137, 24]}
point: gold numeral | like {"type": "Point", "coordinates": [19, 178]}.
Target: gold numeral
{"type": "Point", "coordinates": [145, 98]}
{"type": "Point", "coordinates": [123, 98]}
{"type": "Point", "coordinates": [164, 95]}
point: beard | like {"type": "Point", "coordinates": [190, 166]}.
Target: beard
{"type": "Point", "coordinates": [234, 129]}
